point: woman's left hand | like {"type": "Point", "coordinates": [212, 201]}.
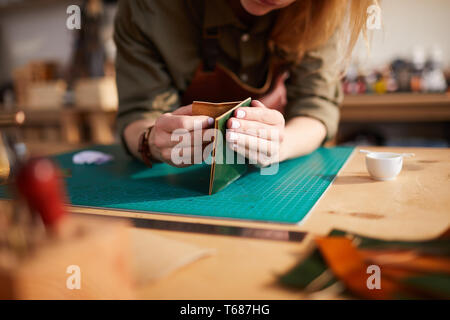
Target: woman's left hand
{"type": "Point", "coordinates": [257, 133]}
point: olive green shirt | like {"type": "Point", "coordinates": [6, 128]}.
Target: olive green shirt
{"type": "Point", "coordinates": [159, 48]}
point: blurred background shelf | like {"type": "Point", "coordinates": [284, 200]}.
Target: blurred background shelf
{"type": "Point", "coordinates": [396, 107]}
{"type": "Point", "coordinates": [395, 119]}
{"type": "Point", "coordinates": [427, 113]}
{"type": "Point", "coordinates": [71, 126]}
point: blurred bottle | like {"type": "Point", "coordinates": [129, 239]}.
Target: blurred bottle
{"type": "Point", "coordinates": [433, 75]}
{"type": "Point", "coordinates": [380, 85]}
{"type": "Point", "coordinates": [7, 105]}
{"type": "Point", "coordinates": [402, 72]}
{"type": "Point", "coordinates": [418, 66]}
{"type": "Point", "coordinates": [371, 79]}
{"type": "Point", "coordinates": [361, 86]}
{"type": "Point", "coordinates": [4, 162]}
{"type": "Point", "coordinates": [390, 80]}
{"type": "Point", "coordinates": [350, 84]}
{"type": "Point", "coordinates": [88, 52]}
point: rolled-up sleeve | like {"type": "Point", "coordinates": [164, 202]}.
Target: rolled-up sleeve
{"type": "Point", "coordinates": [314, 87]}
{"type": "Point", "coordinates": [145, 87]}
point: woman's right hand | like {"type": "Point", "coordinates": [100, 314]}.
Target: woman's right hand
{"type": "Point", "coordinates": [168, 143]}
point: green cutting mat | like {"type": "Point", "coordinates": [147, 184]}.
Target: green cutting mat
{"type": "Point", "coordinates": [127, 184]}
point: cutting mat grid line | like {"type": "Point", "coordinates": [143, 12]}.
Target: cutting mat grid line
{"type": "Point", "coordinates": [126, 184]}
{"type": "Point", "coordinates": [301, 181]}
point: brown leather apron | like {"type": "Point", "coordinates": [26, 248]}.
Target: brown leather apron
{"type": "Point", "coordinates": [213, 82]}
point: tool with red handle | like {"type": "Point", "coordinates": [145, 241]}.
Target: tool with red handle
{"type": "Point", "coordinates": [39, 183]}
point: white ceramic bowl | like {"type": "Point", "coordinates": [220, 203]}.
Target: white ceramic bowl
{"type": "Point", "coordinates": [384, 165]}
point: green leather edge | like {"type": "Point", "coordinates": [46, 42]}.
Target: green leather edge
{"type": "Point", "coordinates": [225, 173]}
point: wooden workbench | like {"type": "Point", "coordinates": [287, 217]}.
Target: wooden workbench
{"type": "Point", "coordinates": [414, 206]}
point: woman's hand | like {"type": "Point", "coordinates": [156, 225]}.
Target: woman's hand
{"type": "Point", "coordinates": [257, 133]}
{"type": "Point", "coordinates": [167, 145]}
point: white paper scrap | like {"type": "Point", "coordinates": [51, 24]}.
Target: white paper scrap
{"type": "Point", "coordinates": [91, 157]}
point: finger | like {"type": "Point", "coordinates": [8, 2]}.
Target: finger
{"type": "Point", "coordinates": [253, 143]}
{"type": "Point", "coordinates": [260, 113]}
{"type": "Point", "coordinates": [253, 156]}
{"type": "Point", "coordinates": [257, 104]}
{"type": "Point", "coordinates": [191, 138]}
{"type": "Point", "coordinates": [170, 122]}
{"type": "Point", "coordinates": [255, 128]}
{"type": "Point", "coordinates": [186, 110]}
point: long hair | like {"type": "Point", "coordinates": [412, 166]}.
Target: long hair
{"type": "Point", "coordinates": [306, 24]}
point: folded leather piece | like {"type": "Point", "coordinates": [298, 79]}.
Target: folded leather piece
{"type": "Point", "coordinates": [223, 171]}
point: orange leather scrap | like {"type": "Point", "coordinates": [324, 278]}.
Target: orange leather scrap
{"type": "Point", "coordinates": [348, 264]}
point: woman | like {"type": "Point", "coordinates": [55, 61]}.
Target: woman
{"type": "Point", "coordinates": [286, 53]}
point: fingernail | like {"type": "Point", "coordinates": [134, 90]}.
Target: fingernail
{"type": "Point", "coordinates": [232, 136]}
{"type": "Point", "coordinates": [210, 121]}
{"type": "Point", "coordinates": [240, 114]}
{"type": "Point", "coordinates": [235, 124]}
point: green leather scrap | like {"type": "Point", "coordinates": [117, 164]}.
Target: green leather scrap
{"type": "Point", "coordinates": [438, 246]}
{"type": "Point", "coordinates": [305, 272]}
{"type": "Point", "coordinates": [432, 285]}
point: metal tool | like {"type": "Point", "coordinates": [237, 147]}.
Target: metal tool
{"type": "Point", "coordinates": [36, 187]}
{"type": "Point", "coordinates": [233, 231]}
{"type": "Point", "coordinates": [15, 238]}
{"type": "Point", "coordinates": [39, 183]}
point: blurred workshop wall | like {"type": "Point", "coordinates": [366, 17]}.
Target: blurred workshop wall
{"type": "Point", "coordinates": [411, 49]}
{"type": "Point", "coordinates": [34, 38]}
{"type": "Point", "coordinates": [37, 53]}
{"type": "Point", "coordinates": [406, 25]}
{"type": "Point", "coordinates": [34, 31]}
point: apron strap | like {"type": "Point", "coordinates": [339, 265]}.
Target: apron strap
{"type": "Point", "coordinates": [210, 48]}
